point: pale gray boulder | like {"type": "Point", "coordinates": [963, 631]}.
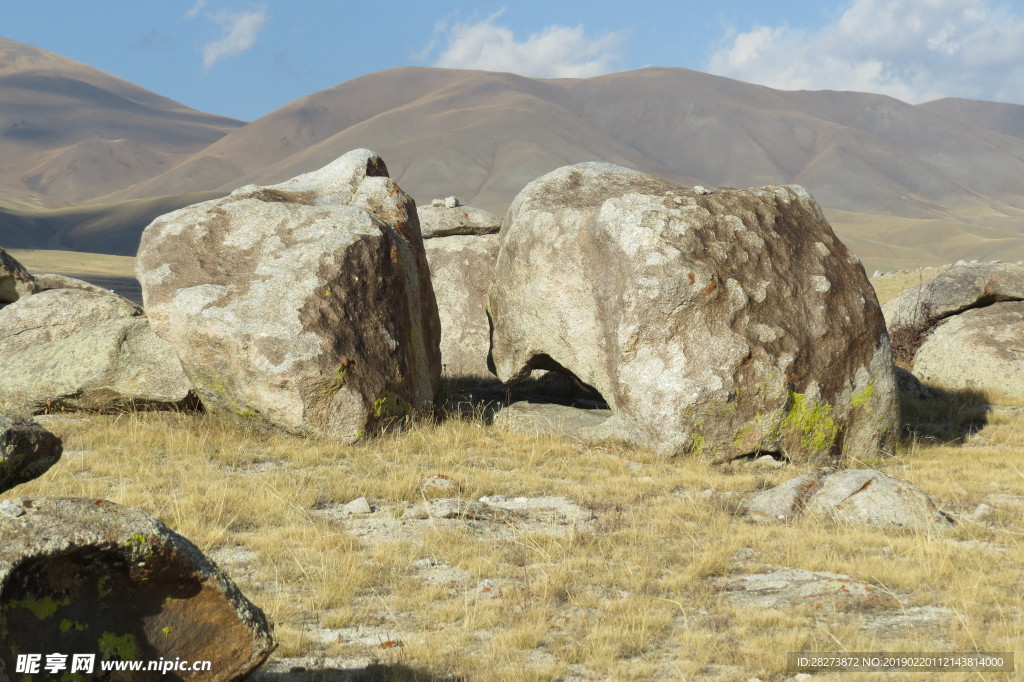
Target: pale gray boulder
{"type": "Point", "coordinates": [15, 280]}
{"type": "Point", "coordinates": [724, 323]}
{"type": "Point", "coordinates": [78, 349]}
{"type": "Point", "coordinates": [305, 306]}
{"type": "Point", "coordinates": [91, 576]}
{"type": "Point", "coordinates": [461, 269]}
{"type": "Point", "coordinates": [860, 496]}
{"type": "Point", "coordinates": [954, 290]}
{"type": "Point", "coordinates": [27, 450]}
{"type": "Point", "coordinates": [980, 349]}
{"type": "Point", "coordinates": [444, 221]}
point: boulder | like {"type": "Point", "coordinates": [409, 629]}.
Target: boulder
{"type": "Point", "coordinates": [953, 290]}
{"type": "Point", "coordinates": [442, 221]}
{"type": "Point", "coordinates": [860, 496]}
{"type": "Point", "coordinates": [305, 306]}
{"type": "Point", "coordinates": [724, 323]}
{"type": "Point", "coordinates": [78, 349]}
{"type": "Point", "coordinates": [48, 281]}
{"type": "Point", "coordinates": [980, 349]}
{"type": "Point", "coordinates": [93, 577]}
{"type": "Point", "coordinates": [15, 281]}
{"type": "Point", "coordinates": [461, 268]}
{"type": "Point", "coordinates": [27, 450]}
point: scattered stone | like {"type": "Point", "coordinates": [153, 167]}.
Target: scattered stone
{"type": "Point", "coordinates": [699, 189]}
{"type": "Point", "coordinates": [11, 509]}
{"type": "Point", "coordinates": [84, 350]}
{"type": "Point", "coordinates": [952, 291]}
{"type": "Point", "coordinates": [441, 221]}
{"type": "Point", "coordinates": [550, 418]}
{"type": "Point", "coordinates": [27, 450]}
{"type": "Point", "coordinates": [671, 312]}
{"type": "Point", "coordinates": [860, 496]}
{"type": "Point", "coordinates": [981, 513]}
{"type": "Point", "coordinates": [15, 280]}
{"type": "Point", "coordinates": [455, 508]}
{"type": "Point", "coordinates": [784, 588]}
{"type": "Point", "coordinates": [305, 306]}
{"type": "Point", "coordinates": [357, 506]}
{"type": "Point", "coordinates": [100, 568]}
{"type": "Point", "coordinates": [558, 510]}
{"type": "Point", "coordinates": [47, 282]}
{"type": "Point", "coordinates": [461, 268]}
{"type": "Point", "coordinates": [439, 485]}
{"type": "Point", "coordinates": [980, 349]}
{"type": "Point", "coordinates": [767, 462]}
{"type": "Point", "coordinates": [450, 202]}
{"type": "Point", "coordinates": [487, 589]}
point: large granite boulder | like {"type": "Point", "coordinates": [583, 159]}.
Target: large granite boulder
{"type": "Point", "coordinates": [305, 306]}
{"type": "Point", "coordinates": [952, 291]}
{"type": "Point", "coordinates": [725, 322]}
{"type": "Point", "coordinates": [15, 280]}
{"type": "Point", "coordinates": [980, 349]}
{"type": "Point", "coordinates": [78, 349]}
{"type": "Point", "coordinates": [444, 221]}
{"type": "Point", "coordinates": [461, 268]}
{"type": "Point", "coordinates": [27, 450]}
{"type": "Point", "coordinates": [92, 577]}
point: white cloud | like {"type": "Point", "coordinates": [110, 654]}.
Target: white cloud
{"type": "Point", "coordinates": [554, 52]}
{"type": "Point", "coordinates": [194, 11]}
{"type": "Point", "coordinates": [239, 30]}
{"type": "Point", "coordinates": [915, 50]}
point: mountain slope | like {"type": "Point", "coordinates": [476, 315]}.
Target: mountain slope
{"type": "Point", "coordinates": [62, 122]}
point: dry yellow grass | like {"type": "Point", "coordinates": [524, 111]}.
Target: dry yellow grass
{"type": "Point", "coordinates": [624, 597]}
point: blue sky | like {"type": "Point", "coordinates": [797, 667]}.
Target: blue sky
{"type": "Point", "coordinates": [245, 59]}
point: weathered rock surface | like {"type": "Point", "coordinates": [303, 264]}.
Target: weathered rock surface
{"type": "Point", "coordinates": [443, 221]}
{"type": "Point", "coordinates": [77, 349]}
{"type": "Point", "coordinates": [27, 450]}
{"type": "Point", "coordinates": [952, 291]}
{"type": "Point", "coordinates": [861, 496]}
{"type": "Point", "coordinates": [305, 305]}
{"type": "Point", "coordinates": [15, 280]}
{"type": "Point", "coordinates": [91, 576]}
{"type": "Point", "coordinates": [461, 269]}
{"type": "Point", "coordinates": [48, 281]}
{"type": "Point", "coordinates": [725, 323]}
{"type": "Point", "coordinates": [981, 349]}
{"type": "Point", "coordinates": [783, 588]}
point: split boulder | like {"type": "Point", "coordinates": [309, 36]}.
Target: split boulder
{"type": "Point", "coordinates": [305, 305]}
{"type": "Point", "coordinates": [93, 577]}
{"type": "Point", "coordinates": [86, 350]}
{"type": "Point", "coordinates": [726, 322]}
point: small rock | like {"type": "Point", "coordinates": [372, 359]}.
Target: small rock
{"type": "Point", "coordinates": [878, 273]}
{"type": "Point", "coordinates": [439, 485]}
{"type": "Point", "coordinates": [357, 506]}
{"type": "Point", "coordinates": [699, 189]}
{"type": "Point", "coordinates": [437, 203]}
{"type": "Point", "coordinates": [981, 512]}
{"type": "Point", "coordinates": [767, 462]}
{"type": "Point", "coordinates": [487, 589]}
{"type": "Point", "coordinates": [450, 202]}
{"type": "Point", "coordinates": [27, 450]}
{"type": "Point", "coordinates": [11, 509]}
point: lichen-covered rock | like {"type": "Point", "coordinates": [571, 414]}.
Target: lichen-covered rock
{"type": "Point", "coordinates": [305, 305]}
{"type": "Point", "coordinates": [980, 349]}
{"type": "Point", "coordinates": [726, 322]}
{"type": "Point", "coordinates": [860, 496]}
{"type": "Point", "coordinates": [93, 577]}
{"type": "Point", "coordinates": [27, 450]}
{"type": "Point", "coordinates": [443, 221]}
{"type": "Point", "coordinates": [15, 280]}
{"type": "Point", "coordinates": [953, 290]}
{"type": "Point", "coordinates": [461, 268]}
{"type": "Point", "coordinates": [48, 281]}
{"type": "Point", "coordinates": [78, 349]}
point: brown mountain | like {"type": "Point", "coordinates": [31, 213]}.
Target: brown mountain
{"type": "Point", "coordinates": [70, 133]}
{"type": "Point", "coordinates": [904, 184]}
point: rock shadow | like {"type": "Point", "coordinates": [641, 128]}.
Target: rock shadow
{"type": "Point", "coordinates": [940, 415]}
{"type": "Point", "coordinates": [375, 672]}
{"type": "Point", "coordinates": [483, 397]}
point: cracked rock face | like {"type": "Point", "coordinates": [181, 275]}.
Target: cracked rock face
{"type": "Point", "coordinates": [15, 281]}
{"type": "Point", "coordinates": [444, 221]}
{"type": "Point", "coordinates": [85, 350]}
{"type": "Point", "coordinates": [725, 322]}
{"type": "Point", "coordinates": [860, 496]}
{"type": "Point", "coordinates": [91, 576]}
{"type": "Point", "coordinates": [306, 306]}
{"type": "Point", "coordinates": [27, 450]}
